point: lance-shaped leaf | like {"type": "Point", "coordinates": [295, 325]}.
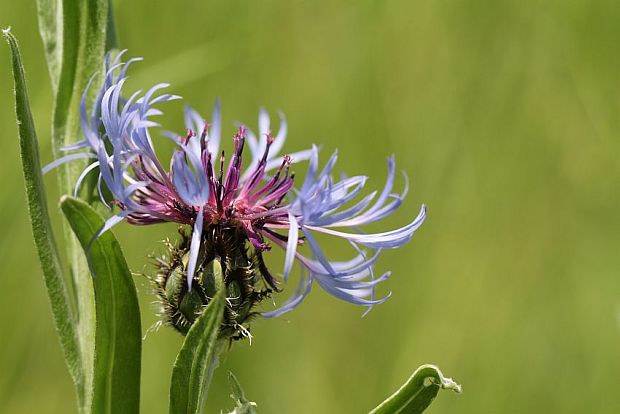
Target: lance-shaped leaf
{"type": "Point", "coordinates": [49, 13]}
{"type": "Point", "coordinates": [197, 359]}
{"type": "Point", "coordinates": [417, 393]}
{"type": "Point", "coordinates": [111, 41]}
{"type": "Point", "coordinates": [45, 243]}
{"type": "Point", "coordinates": [118, 340]}
{"type": "Point", "coordinates": [74, 37]}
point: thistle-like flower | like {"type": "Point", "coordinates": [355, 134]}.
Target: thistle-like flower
{"type": "Point", "coordinates": [232, 214]}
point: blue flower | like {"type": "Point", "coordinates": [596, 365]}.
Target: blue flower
{"type": "Point", "coordinates": [325, 206]}
{"type": "Point", "coordinates": [259, 201]}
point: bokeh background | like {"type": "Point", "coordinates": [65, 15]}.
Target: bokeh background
{"type": "Point", "coordinates": [506, 116]}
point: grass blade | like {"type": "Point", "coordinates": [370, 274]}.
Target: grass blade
{"type": "Point", "coordinates": [118, 341]}
{"type": "Point", "coordinates": [62, 312]}
{"type": "Point", "coordinates": [197, 359]}
{"type": "Point", "coordinates": [417, 393]}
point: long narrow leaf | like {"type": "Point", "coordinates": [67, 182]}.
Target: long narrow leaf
{"type": "Point", "coordinates": [84, 35]}
{"type": "Point", "coordinates": [48, 11]}
{"type": "Point", "coordinates": [80, 52]}
{"type": "Point", "coordinates": [111, 34]}
{"type": "Point", "coordinates": [417, 393]}
{"type": "Point", "coordinates": [118, 334]}
{"type": "Point", "coordinates": [64, 319]}
{"type": "Point", "coordinates": [197, 359]}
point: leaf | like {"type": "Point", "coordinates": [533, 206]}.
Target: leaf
{"type": "Point", "coordinates": [111, 41]}
{"type": "Point", "coordinates": [417, 393]}
{"type": "Point", "coordinates": [197, 359]}
{"type": "Point", "coordinates": [79, 52]}
{"type": "Point", "coordinates": [118, 341]}
{"type": "Point", "coordinates": [84, 37]}
{"type": "Point", "coordinates": [243, 405]}
{"type": "Point", "coordinates": [48, 12]}
{"type": "Point", "coordinates": [64, 319]}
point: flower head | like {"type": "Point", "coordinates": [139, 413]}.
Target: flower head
{"type": "Point", "coordinates": [235, 207]}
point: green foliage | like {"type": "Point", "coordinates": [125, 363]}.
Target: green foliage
{"type": "Point", "coordinates": [49, 12]}
{"type": "Point", "coordinates": [74, 38]}
{"type": "Point", "coordinates": [42, 232]}
{"type": "Point", "coordinates": [242, 404]}
{"type": "Point", "coordinates": [111, 41]}
{"type": "Point", "coordinates": [504, 114]}
{"type": "Point", "coordinates": [417, 393]}
{"type": "Point", "coordinates": [197, 359]}
{"type": "Point", "coordinates": [116, 384]}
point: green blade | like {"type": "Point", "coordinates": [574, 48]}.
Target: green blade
{"type": "Point", "coordinates": [64, 319]}
{"type": "Point", "coordinates": [197, 359]}
{"type": "Point", "coordinates": [48, 11]}
{"type": "Point", "coordinates": [118, 339]}
{"type": "Point", "coordinates": [111, 41]}
{"type": "Point", "coordinates": [417, 393]}
{"type": "Point", "coordinates": [79, 52]}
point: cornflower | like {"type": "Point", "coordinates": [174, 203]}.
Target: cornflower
{"type": "Point", "coordinates": [233, 215]}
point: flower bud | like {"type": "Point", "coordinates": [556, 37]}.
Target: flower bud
{"type": "Point", "coordinates": [223, 263]}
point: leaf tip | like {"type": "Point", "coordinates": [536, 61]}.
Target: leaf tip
{"type": "Point", "coordinates": [7, 34]}
{"type": "Point", "coordinates": [456, 387]}
{"type": "Point", "coordinates": [63, 199]}
{"type": "Point", "coordinates": [444, 382]}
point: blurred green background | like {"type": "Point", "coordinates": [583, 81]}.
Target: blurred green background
{"type": "Point", "coordinates": [505, 114]}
